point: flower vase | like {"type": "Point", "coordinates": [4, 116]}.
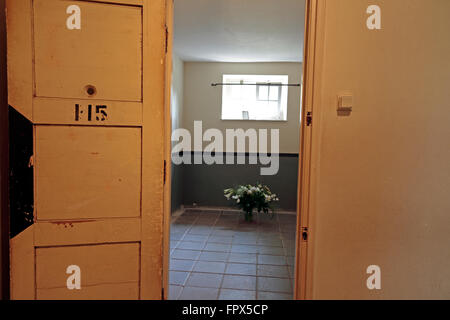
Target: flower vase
{"type": "Point", "coordinates": [249, 215]}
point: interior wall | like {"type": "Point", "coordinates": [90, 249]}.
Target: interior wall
{"type": "Point", "coordinates": [382, 182]}
{"type": "Point", "coordinates": [177, 97]}
{"type": "Point", "coordinates": [4, 213]}
{"type": "Point", "coordinates": [203, 102]}
{"type": "Point", "coordinates": [203, 185]}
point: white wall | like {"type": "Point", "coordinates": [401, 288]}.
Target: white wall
{"type": "Point", "coordinates": [382, 175]}
{"type": "Point", "coordinates": [203, 102]}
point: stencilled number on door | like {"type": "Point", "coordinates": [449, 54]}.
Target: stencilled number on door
{"type": "Point", "coordinates": [91, 113]}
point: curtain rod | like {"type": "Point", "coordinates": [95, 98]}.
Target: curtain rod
{"type": "Point", "coordinates": [257, 84]}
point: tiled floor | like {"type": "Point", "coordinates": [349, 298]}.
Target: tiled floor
{"type": "Point", "coordinates": [217, 255]}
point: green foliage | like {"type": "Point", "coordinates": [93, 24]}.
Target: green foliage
{"type": "Point", "coordinates": [249, 197]}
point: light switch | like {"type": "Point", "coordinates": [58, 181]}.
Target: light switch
{"type": "Point", "coordinates": [345, 103]}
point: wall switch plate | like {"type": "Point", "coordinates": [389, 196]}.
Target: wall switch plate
{"type": "Point", "coordinates": [345, 103]}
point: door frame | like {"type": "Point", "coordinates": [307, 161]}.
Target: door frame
{"type": "Point", "coordinates": [308, 160]}
{"type": "Point", "coordinates": [167, 196]}
{"type": "Point", "coordinates": [309, 147]}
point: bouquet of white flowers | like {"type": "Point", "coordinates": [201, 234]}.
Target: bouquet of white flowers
{"type": "Point", "coordinates": [249, 198]}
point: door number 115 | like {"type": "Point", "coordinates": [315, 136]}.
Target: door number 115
{"type": "Point", "coordinates": [91, 113]}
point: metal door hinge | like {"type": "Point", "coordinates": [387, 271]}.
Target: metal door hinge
{"type": "Point", "coordinates": [309, 119]}
{"type": "Point", "coordinates": [305, 234]}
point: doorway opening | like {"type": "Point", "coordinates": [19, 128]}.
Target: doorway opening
{"type": "Point", "coordinates": [236, 73]}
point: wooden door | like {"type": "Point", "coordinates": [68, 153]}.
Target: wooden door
{"type": "Point", "coordinates": [90, 77]}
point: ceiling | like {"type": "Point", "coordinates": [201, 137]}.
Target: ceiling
{"type": "Point", "coordinates": [239, 30]}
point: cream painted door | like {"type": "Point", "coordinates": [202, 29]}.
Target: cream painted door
{"type": "Point", "coordinates": [90, 76]}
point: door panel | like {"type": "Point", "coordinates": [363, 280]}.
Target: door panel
{"type": "Point", "coordinates": [105, 53]}
{"type": "Point", "coordinates": [118, 270]}
{"type": "Point", "coordinates": [78, 232]}
{"type": "Point", "coordinates": [87, 172]}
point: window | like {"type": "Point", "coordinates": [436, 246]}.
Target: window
{"type": "Point", "coordinates": [255, 97]}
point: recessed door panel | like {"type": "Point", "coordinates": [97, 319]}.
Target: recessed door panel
{"type": "Point", "coordinates": [87, 172]}
{"type": "Point", "coordinates": [106, 271]}
{"type": "Point", "coordinates": [101, 60]}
